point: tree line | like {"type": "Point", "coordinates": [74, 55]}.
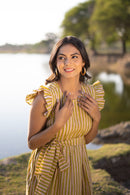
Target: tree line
{"type": "Point", "coordinates": [98, 21]}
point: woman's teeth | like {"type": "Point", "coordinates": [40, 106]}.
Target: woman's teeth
{"type": "Point", "coordinates": [69, 70]}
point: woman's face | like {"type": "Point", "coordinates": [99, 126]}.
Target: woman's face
{"type": "Point", "coordinates": [69, 61]}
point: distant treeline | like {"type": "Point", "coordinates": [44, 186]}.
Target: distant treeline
{"type": "Point", "coordinates": [26, 48]}
{"type": "Point", "coordinates": [43, 46]}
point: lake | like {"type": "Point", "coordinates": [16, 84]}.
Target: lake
{"type": "Point", "coordinates": [20, 74]}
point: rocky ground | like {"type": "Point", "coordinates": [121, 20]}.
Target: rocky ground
{"type": "Point", "coordinates": [118, 166]}
{"type": "Point", "coordinates": [119, 133]}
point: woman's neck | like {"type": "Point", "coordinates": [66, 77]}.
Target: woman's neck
{"type": "Point", "coordinates": [70, 85]}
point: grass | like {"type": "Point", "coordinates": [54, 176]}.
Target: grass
{"type": "Point", "coordinates": [109, 151]}
{"type": "Point", "coordinates": [13, 174]}
{"type": "Point", "coordinates": [103, 184]}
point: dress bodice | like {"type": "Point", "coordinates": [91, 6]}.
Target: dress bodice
{"type": "Point", "coordinates": [80, 122]}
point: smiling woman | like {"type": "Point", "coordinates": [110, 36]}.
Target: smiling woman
{"type": "Point", "coordinates": [64, 117]}
{"type": "Point", "coordinates": [60, 55]}
{"type": "Point", "coordinates": [69, 60]}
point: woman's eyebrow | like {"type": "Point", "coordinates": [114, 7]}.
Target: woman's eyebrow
{"type": "Point", "coordinates": [75, 54]}
{"type": "Point", "coordinates": [71, 54]}
{"type": "Point", "coordinates": [61, 54]}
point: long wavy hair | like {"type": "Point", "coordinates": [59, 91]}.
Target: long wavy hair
{"type": "Point", "coordinates": [53, 58]}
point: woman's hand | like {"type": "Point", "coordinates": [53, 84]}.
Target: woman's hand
{"type": "Point", "coordinates": [64, 113]}
{"type": "Point", "coordinates": [90, 105]}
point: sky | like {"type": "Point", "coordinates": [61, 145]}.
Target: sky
{"type": "Point", "coordinates": [28, 21]}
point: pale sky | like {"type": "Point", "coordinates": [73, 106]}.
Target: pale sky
{"type": "Point", "coordinates": [27, 21]}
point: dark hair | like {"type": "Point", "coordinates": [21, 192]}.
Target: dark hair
{"type": "Point", "coordinates": [52, 62]}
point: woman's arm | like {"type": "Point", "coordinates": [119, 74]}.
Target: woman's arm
{"type": "Point", "coordinates": [92, 133]}
{"type": "Point", "coordinates": [37, 121]}
{"type": "Point", "coordinates": [90, 105]}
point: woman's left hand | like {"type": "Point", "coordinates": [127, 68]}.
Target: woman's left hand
{"type": "Point", "coordinates": [90, 105]}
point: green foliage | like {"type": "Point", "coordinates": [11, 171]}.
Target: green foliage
{"type": "Point", "coordinates": [99, 20]}
{"type": "Point", "coordinates": [76, 21]}
{"type": "Point", "coordinates": [46, 45]}
{"type": "Point", "coordinates": [112, 19]}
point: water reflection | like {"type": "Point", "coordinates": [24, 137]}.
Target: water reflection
{"type": "Point", "coordinates": [115, 78]}
{"type": "Point", "coordinates": [117, 100]}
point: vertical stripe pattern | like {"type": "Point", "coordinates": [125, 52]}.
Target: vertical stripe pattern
{"type": "Point", "coordinates": [61, 167]}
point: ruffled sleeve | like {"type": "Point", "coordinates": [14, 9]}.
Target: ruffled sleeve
{"type": "Point", "coordinates": [47, 96]}
{"type": "Point", "coordinates": [99, 94]}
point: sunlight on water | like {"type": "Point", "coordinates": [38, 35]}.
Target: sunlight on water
{"type": "Point", "coordinates": [112, 78]}
{"type": "Point", "coordinates": [92, 146]}
{"type": "Point", "coordinates": [19, 75]}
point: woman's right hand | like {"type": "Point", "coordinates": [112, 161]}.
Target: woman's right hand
{"type": "Point", "coordinates": [36, 136]}
{"type": "Point", "coordinates": [64, 113]}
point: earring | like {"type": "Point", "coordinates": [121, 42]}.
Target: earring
{"type": "Point", "coordinates": [83, 72]}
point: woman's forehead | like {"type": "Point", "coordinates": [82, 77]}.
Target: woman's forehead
{"type": "Point", "coordinates": [68, 48]}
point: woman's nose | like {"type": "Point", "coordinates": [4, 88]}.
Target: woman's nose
{"type": "Point", "coordinates": [67, 61]}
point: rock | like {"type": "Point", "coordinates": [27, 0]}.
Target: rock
{"type": "Point", "coordinates": [117, 167]}
{"type": "Point", "coordinates": [119, 133]}
{"type": "Point", "coordinates": [114, 159]}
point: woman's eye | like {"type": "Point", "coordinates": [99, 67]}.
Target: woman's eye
{"type": "Point", "coordinates": [61, 58]}
{"type": "Point", "coordinates": [73, 57]}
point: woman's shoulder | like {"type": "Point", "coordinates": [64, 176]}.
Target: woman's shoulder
{"type": "Point", "coordinates": [38, 94]}
{"type": "Point", "coordinates": [88, 88]}
{"type": "Point", "coordinates": [39, 97]}
{"type": "Point", "coordinates": [53, 86]}
{"type": "Point", "coordinates": [92, 86]}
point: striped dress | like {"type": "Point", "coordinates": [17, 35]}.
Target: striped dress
{"type": "Point", "coordinates": [61, 167]}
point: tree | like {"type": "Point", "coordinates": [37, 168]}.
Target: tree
{"type": "Point", "coordinates": [112, 19]}
{"type": "Point", "coordinates": [50, 40]}
{"type": "Point", "coordinates": [76, 21]}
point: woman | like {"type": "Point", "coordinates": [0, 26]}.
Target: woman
{"type": "Point", "coordinates": [64, 117]}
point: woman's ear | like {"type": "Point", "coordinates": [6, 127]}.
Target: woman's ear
{"type": "Point", "coordinates": [83, 64]}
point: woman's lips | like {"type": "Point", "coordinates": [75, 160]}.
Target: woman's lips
{"type": "Point", "coordinates": [69, 70]}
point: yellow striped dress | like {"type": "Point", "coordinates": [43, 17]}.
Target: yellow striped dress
{"type": "Point", "coordinates": [61, 167]}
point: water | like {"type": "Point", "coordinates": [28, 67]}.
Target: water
{"type": "Point", "coordinates": [113, 78]}
{"type": "Point", "coordinates": [92, 146]}
{"type": "Point", "coordinates": [19, 75]}
{"type": "Point", "coordinates": [117, 100]}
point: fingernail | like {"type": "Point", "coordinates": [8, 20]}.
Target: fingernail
{"type": "Point", "coordinates": [84, 96]}
{"type": "Point", "coordinates": [82, 92]}
{"type": "Point", "coordinates": [78, 98]}
{"type": "Point", "coordinates": [45, 113]}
